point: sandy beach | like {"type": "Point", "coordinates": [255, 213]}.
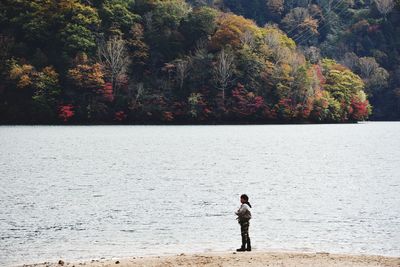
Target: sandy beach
{"type": "Point", "coordinates": [239, 259]}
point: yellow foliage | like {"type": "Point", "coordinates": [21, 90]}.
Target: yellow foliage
{"type": "Point", "coordinates": [15, 72]}
{"type": "Point", "coordinates": [50, 72]}
{"type": "Point", "coordinates": [22, 74]}
{"type": "Point", "coordinates": [81, 14]}
{"type": "Point", "coordinates": [361, 96]}
{"type": "Point", "coordinates": [284, 40]}
{"type": "Point", "coordinates": [230, 29]}
{"type": "Point", "coordinates": [27, 68]}
{"type": "Point", "coordinates": [87, 76]}
{"type": "Point", "coordinates": [24, 81]}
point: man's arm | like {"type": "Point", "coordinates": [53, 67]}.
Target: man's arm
{"type": "Point", "coordinates": [242, 210]}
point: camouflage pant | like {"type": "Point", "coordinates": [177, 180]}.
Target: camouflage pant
{"type": "Point", "coordinates": [244, 229]}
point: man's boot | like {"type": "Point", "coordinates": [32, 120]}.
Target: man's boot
{"type": "Point", "coordinates": [243, 247]}
{"type": "Point", "coordinates": [248, 244]}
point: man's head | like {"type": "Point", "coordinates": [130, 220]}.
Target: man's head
{"type": "Point", "coordinates": [244, 198]}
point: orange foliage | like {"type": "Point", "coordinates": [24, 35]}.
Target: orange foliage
{"type": "Point", "coordinates": [230, 29]}
{"type": "Point", "coordinates": [87, 76]}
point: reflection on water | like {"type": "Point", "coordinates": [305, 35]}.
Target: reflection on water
{"type": "Point", "coordinates": [111, 191]}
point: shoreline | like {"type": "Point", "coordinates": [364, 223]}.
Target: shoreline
{"type": "Point", "coordinates": [201, 124]}
{"type": "Point", "coordinates": [254, 258]}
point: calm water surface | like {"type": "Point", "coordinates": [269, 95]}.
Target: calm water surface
{"type": "Point", "coordinates": [91, 192]}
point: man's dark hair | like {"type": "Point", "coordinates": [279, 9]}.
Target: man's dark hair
{"type": "Point", "coordinates": [246, 199]}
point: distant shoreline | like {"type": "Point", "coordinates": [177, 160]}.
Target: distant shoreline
{"type": "Point", "coordinates": [208, 123]}
{"type": "Point", "coordinates": [257, 258]}
{"type": "Point", "coordinates": [192, 124]}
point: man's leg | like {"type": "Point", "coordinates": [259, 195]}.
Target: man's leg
{"type": "Point", "coordinates": [244, 236]}
{"type": "Point", "coordinates": [244, 229]}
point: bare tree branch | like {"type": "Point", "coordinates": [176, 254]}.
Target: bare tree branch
{"type": "Point", "coordinates": [182, 71]}
{"type": "Point", "coordinates": [114, 58]}
{"type": "Point", "coordinates": [223, 70]}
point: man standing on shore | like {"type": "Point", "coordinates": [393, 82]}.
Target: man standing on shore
{"type": "Point", "coordinates": [244, 216]}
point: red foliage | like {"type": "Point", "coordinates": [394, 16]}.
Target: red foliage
{"type": "Point", "coordinates": [288, 109]}
{"type": "Point", "coordinates": [359, 110]}
{"type": "Point", "coordinates": [285, 109]}
{"type": "Point", "coordinates": [107, 92]}
{"type": "Point", "coordinates": [246, 103]}
{"type": "Point", "coordinates": [66, 112]}
{"type": "Point", "coordinates": [120, 116]}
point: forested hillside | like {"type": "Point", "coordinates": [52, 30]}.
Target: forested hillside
{"type": "Point", "coordinates": [171, 61]}
{"type": "Point", "coordinates": [363, 35]}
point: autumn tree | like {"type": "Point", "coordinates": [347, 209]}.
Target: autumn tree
{"type": "Point", "coordinates": [87, 81]}
{"type": "Point", "coordinates": [40, 87]}
{"type": "Point", "coordinates": [223, 71]}
{"type": "Point", "coordinates": [79, 21]}
{"type": "Point", "coordinates": [342, 84]}
{"type": "Point", "coordinates": [246, 104]}
{"type": "Point", "coordinates": [114, 58]}
{"type": "Point", "coordinates": [230, 31]}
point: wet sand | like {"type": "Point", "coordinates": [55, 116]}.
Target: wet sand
{"type": "Point", "coordinates": [289, 259]}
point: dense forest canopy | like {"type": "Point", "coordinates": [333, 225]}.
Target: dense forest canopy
{"type": "Point", "coordinates": [199, 61]}
{"type": "Point", "coordinates": [363, 35]}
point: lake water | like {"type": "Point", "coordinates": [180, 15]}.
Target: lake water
{"type": "Point", "coordinates": [88, 192]}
